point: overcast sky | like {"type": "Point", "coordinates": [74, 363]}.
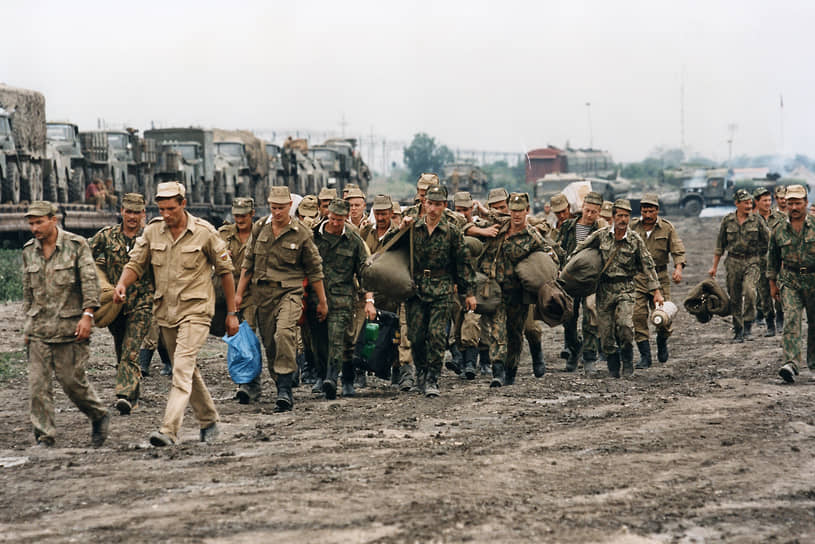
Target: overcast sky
{"type": "Point", "coordinates": [490, 75]}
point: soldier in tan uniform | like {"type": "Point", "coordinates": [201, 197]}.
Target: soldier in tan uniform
{"type": "Point", "coordinates": [396, 218]}
{"type": "Point", "coordinates": [182, 251]}
{"type": "Point", "coordinates": [324, 199]}
{"type": "Point", "coordinates": [605, 210]}
{"type": "Point", "coordinates": [60, 294]}
{"type": "Point", "coordinates": [308, 211]}
{"type": "Point", "coordinates": [355, 198]}
{"type": "Point", "coordinates": [280, 255]}
{"type": "Point", "coordinates": [663, 243]}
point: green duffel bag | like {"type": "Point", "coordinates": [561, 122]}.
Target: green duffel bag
{"type": "Point", "coordinates": [536, 270]}
{"type": "Point", "coordinates": [487, 294]}
{"type": "Point", "coordinates": [389, 273]}
{"type": "Point", "coordinates": [109, 310]}
{"type": "Point", "coordinates": [554, 306]}
{"type": "Point", "coordinates": [582, 272]}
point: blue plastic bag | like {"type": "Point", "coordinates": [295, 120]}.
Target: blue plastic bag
{"type": "Point", "coordinates": [243, 358]}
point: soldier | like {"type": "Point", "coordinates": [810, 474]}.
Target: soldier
{"type": "Point", "coordinates": [791, 272]}
{"type": "Point", "coordinates": [573, 232]}
{"type": "Point", "coordinates": [561, 209]}
{"type": "Point", "coordinates": [780, 198]}
{"type": "Point", "coordinates": [344, 255]}
{"type": "Point", "coordinates": [745, 237]}
{"type": "Point", "coordinates": [605, 210]}
{"type": "Point", "coordinates": [110, 247]}
{"type": "Point", "coordinates": [663, 243]}
{"type": "Point", "coordinates": [60, 294]}
{"type": "Point", "coordinates": [357, 220]}
{"type": "Point", "coordinates": [324, 198]}
{"type": "Point", "coordinates": [95, 193]}
{"type": "Point", "coordinates": [772, 218]}
{"type": "Point", "coordinates": [439, 261]}
{"type": "Point", "coordinates": [182, 251]}
{"type": "Point", "coordinates": [549, 215]}
{"type": "Point", "coordinates": [356, 200]}
{"type": "Point", "coordinates": [308, 211]}
{"type": "Point", "coordinates": [624, 256]}
{"type": "Point", "coordinates": [396, 219]}
{"type": "Point", "coordinates": [372, 234]}
{"type": "Point", "coordinates": [280, 254]}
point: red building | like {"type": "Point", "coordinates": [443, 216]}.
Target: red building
{"type": "Point", "coordinates": [546, 160]}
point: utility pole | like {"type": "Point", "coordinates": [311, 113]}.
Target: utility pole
{"type": "Point", "coordinates": [682, 111]}
{"type": "Point", "coordinates": [343, 124]}
{"type": "Point", "coordinates": [731, 129]}
{"type": "Point", "coordinates": [591, 131]}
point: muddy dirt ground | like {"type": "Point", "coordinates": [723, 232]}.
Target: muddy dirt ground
{"type": "Point", "coordinates": [710, 447]}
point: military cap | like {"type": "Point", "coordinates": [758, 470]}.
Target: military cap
{"type": "Point", "coordinates": [463, 199]}
{"type": "Point", "coordinates": [308, 207]}
{"type": "Point", "coordinates": [650, 198]}
{"type": "Point", "coordinates": [741, 195]}
{"type": "Point", "coordinates": [605, 209]}
{"type": "Point", "coordinates": [382, 202]}
{"type": "Point", "coordinates": [242, 205]}
{"type": "Point", "coordinates": [397, 208]}
{"type": "Point", "coordinates": [558, 202]}
{"type": "Point", "coordinates": [436, 193]}
{"type": "Point", "coordinates": [133, 202]}
{"type": "Point", "coordinates": [499, 194]}
{"type": "Point", "coordinates": [796, 191]}
{"type": "Point", "coordinates": [518, 201]}
{"type": "Point", "coordinates": [352, 191]}
{"type": "Point", "coordinates": [327, 193]}
{"type": "Point", "coordinates": [279, 194]}
{"type": "Point", "coordinates": [761, 191]}
{"type": "Point", "coordinates": [780, 191]}
{"type": "Point", "coordinates": [169, 189]}
{"type": "Point", "coordinates": [426, 180]}
{"type": "Point", "coordinates": [593, 198]}
{"type": "Point", "coordinates": [622, 204]}
{"type": "Point", "coordinates": [339, 207]}
{"type": "Point", "coordinates": [39, 208]}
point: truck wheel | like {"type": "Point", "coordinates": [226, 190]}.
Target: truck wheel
{"type": "Point", "coordinates": [11, 185]}
{"type": "Point", "coordinates": [49, 186]}
{"type": "Point", "coordinates": [35, 182]}
{"type": "Point", "coordinates": [219, 188]}
{"type": "Point", "coordinates": [692, 207]}
{"type": "Point", "coordinates": [76, 185]}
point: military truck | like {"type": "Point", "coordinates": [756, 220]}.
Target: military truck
{"type": "Point", "coordinates": [22, 144]}
{"type": "Point", "coordinates": [241, 166]}
{"type": "Point", "coordinates": [293, 165]}
{"type": "Point", "coordinates": [715, 187]}
{"type": "Point", "coordinates": [186, 155]}
{"type": "Point", "coordinates": [64, 168]}
{"type": "Point", "coordinates": [340, 158]}
{"type": "Point", "coordinates": [122, 156]}
{"type": "Point", "coordinates": [465, 176]}
{"type": "Point", "coordinates": [546, 187]}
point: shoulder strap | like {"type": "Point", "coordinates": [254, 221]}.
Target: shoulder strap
{"type": "Point", "coordinates": [611, 257]}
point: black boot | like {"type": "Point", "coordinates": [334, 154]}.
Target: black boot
{"type": "Point", "coordinates": [538, 365]}
{"type": "Point", "coordinates": [662, 348]}
{"type": "Point", "coordinates": [319, 372]}
{"type": "Point", "coordinates": [470, 356]}
{"type": "Point", "coordinates": [571, 362]}
{"type": "Point", "coordinates": [348, 380]}
{"type": "Point", "coordinates": [361, 379]}
{"type": "Point", "coordinates": [779, 320]}
{"type": "Point", "coordinates": [748, 332]}
{"type": "Point", "coordinates": [145, 356]}
{"type": "Point", "coordinates": [285, 399]}
{"type": "Point", "coordinates": [509, 375]}
{"type": "Point", "coordinates": [456, 361]}
{"type": "Point", "coordinates": [330, 382]}
{"type": "Point", "coordinates": [627, 357]}
{"type": "Point", "coordinates": [645, 354]}
{"type": "Point", "coordinates": [486, 364]}
{"type": "Point", "coordinates": [770, 326]}
{"type": "Point", "coordinates": [421, 380]}
{"type": "Point", "coordinates": [407, 377]}
{"type": "Point", "coordinates": [738, 335]}
{"type": "Point", "coordinates": [498, 375]}
{"type": "Point", "coordinates": [165, 358]}
{"type": "Point", "coordinates": [431, 386]}
{"type": "Point", "coordinates": [613, 361]}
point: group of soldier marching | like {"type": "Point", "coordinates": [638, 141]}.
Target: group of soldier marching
{"type": "Point", "coordinates": [296, 277]}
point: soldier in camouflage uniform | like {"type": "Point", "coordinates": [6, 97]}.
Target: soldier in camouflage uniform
{"type": "Point", "coordinates": [514, 242]}
{"type": "Point", "coordinates": [772, 218]}
{"type": "Point", "coordinates": [440, 261]}
{"type": "Point", "coordinates": [663, 243]}
{"type": "Point", "coordinates": [791, 272]}
{"type": "Point", "coordinates": [624, 255]}
{"type": "Point", "coordinates": [344, 255]}
{"type": "Point", "coordinates": [60, 294]}
{"type": "Point", "coordinates": [110, 247]}
{"type": "Point", "coordinates": [745, 237]}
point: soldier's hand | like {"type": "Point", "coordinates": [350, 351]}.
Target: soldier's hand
{"type": "Point", "coordinates": [677, 275]}
{"type": "Point", "coordinates": [490, 232]}
{"type": "Point", "coordinates": [470, 303]}
{"type": "Point", "coordinates": [238, 300]}
{"type": "Point", "coordinates": [775, 293]}
{"type": "Point", "coordinates": [232, 325]}
{"type": "Point", "coordinates": [370, 311]}
{"type": "Point", "coordinates": [322, 310]}
{"type": "Point", "coordinates": [712, 272]}
{"type": "Point", "coordinates": [658, 298]}
{"type": "Point", "coordinates": [406, 222]}
{"type": "Point", "coordinates": [119, 293]}
{"type": "Point", "coordinates": [83, 328]}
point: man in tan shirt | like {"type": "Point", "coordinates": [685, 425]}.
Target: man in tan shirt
{"type": "Point", "coordinates": [280, 254]}
{"type": "Point", "coordinates": [183, 250]}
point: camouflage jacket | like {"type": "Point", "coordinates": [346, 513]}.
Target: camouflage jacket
{"type": "Point", "coordinates": [454, 217]}
{"type": "Point", "coordinates": [237, 250]}
{"type": "Point", "coordinates": [750, 239]}
{"type": "Point", "coordinates": [503, 252]}
{"type": "Point", "coordinates": [629, 256]}
{"type": "Point", "coordinates": [568, 233]}
{"type": "Point", "coordinates": [774, 219]}
{"type": "Point", "coordinates": [790, 250]}
{"type": "Point", "coordinates": [344, 258]}
{"type": "Point", "coordinates": [58, 289]}
{"type": "Point", "coordinates": [440, 260]}
{"type": "Point", "coordinates": [111, 248]}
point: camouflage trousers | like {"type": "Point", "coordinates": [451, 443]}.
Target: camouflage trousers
{"type": "Point", "coordinates": [505, 330]}
{"type": "Point", "coordinates": [129, 331]}
{"type": "Point", "coordinates": [427, 322]}
{"type": "Point", "coordinates": [615, 312]}
{"type": "Point", "coordinates": [354, 327]}
{"type": "Point", "coordinates": [151, 339]}
{"type": "Point", "coordinates": [329, 341]}
{"type": "Point", "coordinates": [589, 340]}
{"type": "Point", "coordinates": [67, 362]}
{"type": "Point", "coordinates": [742, 279]}
{"type": "Point", "coordinates": [644, 305]}
{"type": "Point", "coordinates": [533, 331]}
{"type": "Point", "coordinates": [764, 301]}
{"type": "Point", "coordinates": [797, 296]}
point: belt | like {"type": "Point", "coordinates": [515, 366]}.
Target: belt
{"type": "Point", "coordinates": [426, 273]}
{"type": "Point", "coordinates": [270, 283]}
{"type": "Point", "coordinates": [740, 256]}
{"type": "Point", "coordinates": [800, 269]}
{"type": "Point", "coordinates": [615, 279]}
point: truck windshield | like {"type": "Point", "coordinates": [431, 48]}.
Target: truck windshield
{"type": "Point", "coordinates": [60, 132]}
{"type": "Point", "coordinates": [229, 149]}
{"type": "Point", "coordinates": [117, 141]}
{"type": "Point", "coordinates": [323, 155]}
{"type": "Point", "coordinates": [188, 151]}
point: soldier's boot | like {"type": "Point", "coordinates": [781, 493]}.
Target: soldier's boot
{"type": "Point", "coordinates": [285, 399]}
{"type": "Point", "coordinates": [456, 360]}
{"type": "Point", "coordinates": [499, 375]}
{"type": "Point", "coordinates": [627, 357]}
{"type": "Point", "coordinates": [319, 379]}
{"type": "Point", "coordinates": [613, 361]}
{"type": "Point", "coordinates": [361, 379]}
{"type": "Point", "coordinates": [348, 380]}
{"type": "Point", "coordinates": [509, 374]}
{"type": "Point", "coordinates": [662, 348]}
{"type": "Point", "coordinates": [588, 368]}
{"type": "Point", "coordinates": [395, 374]}
{"type": "Point", "coordinates": [470, 356]}
{"type": "Point", "coordinates": [538, 365]}
{"type": "Point", "coordinates": [407, 380]}
{"type": "Point", "coordinates": [145, 356]}
{"type": "Point", "coordinates": [571, 362]}
{"type": "Point", "coordinates": [330, 381]}
{"type": "Point", "coordinates": [738, 335]}
{"type": "Point", "coordinates": [165, 358]}
{"type": "Point", "coordinates": [589, 357]}
{"type": "Point", "coordinates": [295, 378]}
{"type": "Point", "coordinates": [788, 372]}
{"type": "Point", "coordinates": [770, 327]}
{"type": "Point", "coordinates": [486, 365]}
{"type": "Point", "coordinates": [748, 330]}
{"type": "Point", "coordinates": [779, 320]}
{"type": "Point", "coordinates": [759, 316]}
{"type": "Point", "coordinates": [431, 387]}
{"type": "Point", "coordinates": [421, 380]}
{"type": "Point", "coordinates": [645, 354]}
